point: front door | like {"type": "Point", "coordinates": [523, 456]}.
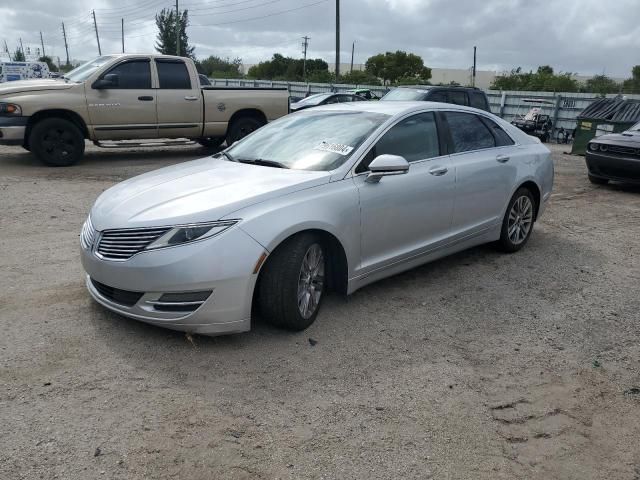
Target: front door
{"type": "Point", "coordinates": [126, 109]}
{"type": "Point", "coordinates": [405, 215]}
{"type": "Point", "coordinates": [180, 105]}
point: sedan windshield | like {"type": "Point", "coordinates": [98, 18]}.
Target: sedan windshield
{"type": "Point", "coordinates": [314, 99]}
{"type": "Point", "coordinates": [85, 70]}
{"type": "Point", "coordinates": [308, 140]}
{"type": "Point", "coordinates": [402, 94]}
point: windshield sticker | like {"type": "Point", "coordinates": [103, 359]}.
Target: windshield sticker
{"type": "Point", "coordinates": [334, 148]}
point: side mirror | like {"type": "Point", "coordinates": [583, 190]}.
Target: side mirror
{"type": "Point", "coordinates": [386, 165]}
{"type": "Point", "coordinates": [110, 80]}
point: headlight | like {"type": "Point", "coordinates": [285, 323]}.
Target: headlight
{"type": "Point", "coordinates": [10, 109]}
{"type": "Point", "coordinates": [593, 146]}
{"type": "Point", "coordinates": [190, 233]}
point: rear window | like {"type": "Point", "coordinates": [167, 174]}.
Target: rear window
{"type": "Point", "coordinates": [502, 138]}
{"type": "Point", "coordinates": [478, 100]}
{"type": "Point", "coordinates": [173, 75]}
{"type": "Point", "coordinates": [438, 96]}
{"type": "Point", "coordinates": [405, 94]}
{"type": "Point", "coordinates": [468, 132]}
{"type": "Point", "coordinates": [457, 97]}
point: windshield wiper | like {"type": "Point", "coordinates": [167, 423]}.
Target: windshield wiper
{"type": "Point", "coordinates": [225, 154]}
{"type": "Point", "coordinates": [262, 161]}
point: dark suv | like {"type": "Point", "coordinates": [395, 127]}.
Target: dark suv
{"type": "Point", "coordinates": [468, 96]}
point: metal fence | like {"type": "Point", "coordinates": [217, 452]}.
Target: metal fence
{"type": "Point", "coordinates": [563, 109]}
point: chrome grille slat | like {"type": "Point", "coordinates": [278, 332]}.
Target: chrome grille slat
{"type": "Point", "coordinates": [125, 243]}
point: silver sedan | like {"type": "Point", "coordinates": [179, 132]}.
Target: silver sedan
{"type": "Point", "coordinates": [327, 199]}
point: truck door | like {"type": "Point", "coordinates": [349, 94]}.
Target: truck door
{"type": "Point", "coordinates": [180, 105]}
{"type": "Point", "coordinates": [121, 102]}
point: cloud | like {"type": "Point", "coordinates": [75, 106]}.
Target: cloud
{"type": "Point", "coordinates": [583, 36]}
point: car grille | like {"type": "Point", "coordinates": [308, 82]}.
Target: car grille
{"type": "Point", "coordinates": [123, 297]}
{"type": "Point", "coordinates": [623, 150]}
{"type": "Point", "coordinates": [125, 243]}
{"type": "Point", "coordinates": [88, 234]}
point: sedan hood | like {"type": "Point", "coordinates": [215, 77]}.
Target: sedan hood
{"type": "Point", "coordinates": [630, 138]}
{"type": "Point", "coordinates": [199, 191]}
{"type": "Point", "coordinates": [20, 86]}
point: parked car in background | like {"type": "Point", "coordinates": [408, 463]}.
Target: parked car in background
{"type": "Point", "coordinates": [364, 93]}
{"type": "Point", "coordinates": [331, 198]}
{"type": "Point", "coordinates": [129, 97]}
{"type": "Point", "coordinates": [615, 156]}
{"type": "Point", "coordinates": [325, 99]}
{"type": "Point", "coordinates": [467, 96]}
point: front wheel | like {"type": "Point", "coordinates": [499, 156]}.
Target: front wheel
{"type": "Point", "coordinates": [517, 224]}
{"type": "Point", "coordinates": [293, 283]}
{"type": "Point", "coordinates": [56, 142]}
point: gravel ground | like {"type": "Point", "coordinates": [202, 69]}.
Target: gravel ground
{"type": "Point", "coordinates": [478, 366]}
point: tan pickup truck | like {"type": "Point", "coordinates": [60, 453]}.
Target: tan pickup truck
{"type": "Point", "coordinates": [129, 97]}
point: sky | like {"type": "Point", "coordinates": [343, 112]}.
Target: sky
{"type": "Point", "coordinates": [586, 37]}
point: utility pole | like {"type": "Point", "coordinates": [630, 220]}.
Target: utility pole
{"type": "Point", "coordinates": [6, 49]}
{"type": "Point", "coordinates": [177, 30]}
{"type": "Point", "coordinates": [66, 47]}
{"type": "Point", "coordinates": [95, 25]}
{"type": "Point", "coordinates": [42, 43]}
{"type": "Point", "coordinates": [305, 44]}
{"type": "Point", "coordinates": [473, 81]}
{"type": "Point", "coordinates": [122, 34]}
{"type": "Point", "coordinates": [337, 40]}
{"type": "Point", "coordinates": [353, 47]}
{"type": "Point", "coordinates": [22, 49]}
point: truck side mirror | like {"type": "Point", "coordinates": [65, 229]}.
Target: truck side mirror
{"type": "Point", "coordinates": [110, 80]}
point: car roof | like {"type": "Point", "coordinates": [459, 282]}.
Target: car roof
{"type": "Point", "coordinates": [395, 108]}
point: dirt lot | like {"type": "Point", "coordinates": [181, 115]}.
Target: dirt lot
{"type": "Point", "coordinates": [479, 366]}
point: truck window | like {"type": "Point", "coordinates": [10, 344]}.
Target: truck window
{"type": "Point", "coordinates": [173, 74]}
{"type": "Point", "coordinates": [459, 98]}
{"type": "Point", "coordinates": [478, 101]}
{"type": "Point", "coordinates": [132, 75]}
{"type": "Point", "coordinates": [438, 96]}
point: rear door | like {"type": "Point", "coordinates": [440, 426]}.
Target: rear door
{"type": "Point", "coordinates": [126, 110]}
{"type": "Point", "coordinates": [180, 104]}
{"type": "Point", "coordinates": [485, 161]}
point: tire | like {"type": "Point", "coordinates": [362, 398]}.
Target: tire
{"type": "Point", "coordinates": [518, 221]}
{"type": "Point", "coordinates": [241, 127]}
{"type": "Point", "coordinates": [57, 142]}
{"type": "Point", "coordinates": [286, 279]}
{"type": "Point", "coordinates": [598, 180]}
{"type": "Point", "coordinates": [211, 142]}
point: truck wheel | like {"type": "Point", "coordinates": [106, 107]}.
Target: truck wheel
{"type": "Point", "coordinates": [211, 142]}
{"type": "Point", "coordinates": [56, 142]}
{"type": "Point", "coordinates": [292, 285]}
{"type": "Point", "coordinates": [241, 127]}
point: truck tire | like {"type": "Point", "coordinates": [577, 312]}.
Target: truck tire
{"type": "Point", "coordinates": [293, 284]}
{"type": "Point", "coordinates": [241, 127]}
{"type": "Point", "coordinates": [211, 142]}
{"type": "Point", "coordinates": [56, 142]}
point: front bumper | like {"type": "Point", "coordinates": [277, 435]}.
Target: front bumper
{"type": "Point", "coordinates": [222, 264]}
{"type": "Point", "coordinates": [12, 130]}
{"type": "Point", "coordinates": [620, 168]}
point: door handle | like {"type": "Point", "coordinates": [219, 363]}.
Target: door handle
{"type": "Point", "coordinates": [438, 171]}
{"type": "Point", "coordinates": [191, 98]}
{"type": "Point", "coordinates": [145, 98]}
{"type": "Point", "coordinates": [502, 158]}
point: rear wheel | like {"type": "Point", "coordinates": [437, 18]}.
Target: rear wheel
{"type": "Point", "coordinates": [517, 224]}
{"type": "Point", "coordinates": [598, 180]}
{"type": "Point", "coordinates": [293, 283]}
{"type": "Point", "coordinates": [210, 142]}
{"type": "Point", "coordinates": [56, 142]}
{"type": "Point", "coordinates": [241, 127]}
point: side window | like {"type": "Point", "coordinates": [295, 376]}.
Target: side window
{"type": "Point", "coordinates": [173, 75]}
{"type": "Point", "coordinates": [135, 74]}
{"type": "Point", "coordinates": [330, 100]}
{"type": "Point", "coordinates": [414, 138]}
{"type": "Point", "coordinates": [438, 96]}
{"type": "Point", "coordinates": [458, 97]}
{"type": "Point", "coordinates": [468, 132]}
{"type": "Point", "coordinates": [477, 100]}
{"type": "Point", "coordinates": [345, 98]}
{"type": "Point", "coordinates": [502, 138]}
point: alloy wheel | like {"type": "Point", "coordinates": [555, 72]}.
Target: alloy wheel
{"type": "Point", "coordinates": [520, 220]}
{"type": "Point", "coordinates": [311, 281]}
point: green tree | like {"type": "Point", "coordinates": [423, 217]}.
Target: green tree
{"type": "Point", "coordinates": [217, 67]}
{"type": "Point", "coordinates": [52, 66]}
{"type": "Point", "coordinates": [393, 66]}
{"type": "Point", "coordinates": [290, 69]}
{"type": "Point", "coordinates": [632, 85]}
{"type": "Point", "coordinates": [359, 77]}
{"type": "Point", "coordinates": [543, 80]}
{"type": "Point", "coordinates": [18, 56]}
{"type": "Point", "coordinates": [166, 41]}
{"type": "Point", "coordinates": [601, 84]}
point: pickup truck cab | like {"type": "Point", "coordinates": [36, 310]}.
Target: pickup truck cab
{"type": "Point", "coordinates": [129, 97]}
